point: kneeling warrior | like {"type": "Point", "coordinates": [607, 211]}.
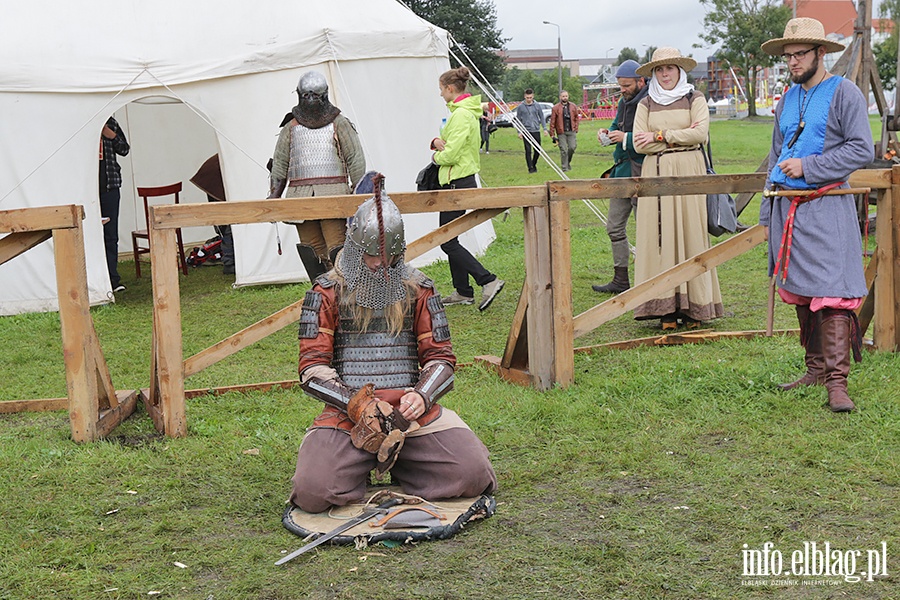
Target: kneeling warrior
{"type": "Point", "coordinates": [375, 347]}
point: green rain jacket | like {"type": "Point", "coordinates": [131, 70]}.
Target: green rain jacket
{"type": "Point", "coordinates": [461, 136]}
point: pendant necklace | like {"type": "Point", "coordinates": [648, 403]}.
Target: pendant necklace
{"type": "Point", "coordinates": [803, 106]}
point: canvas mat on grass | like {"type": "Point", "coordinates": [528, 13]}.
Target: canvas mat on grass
{"type": "Point", "coordinates": [457, 513]}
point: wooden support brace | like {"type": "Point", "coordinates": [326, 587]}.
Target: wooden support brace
{"type": "Point", "coordinates": [41, 405]}
{"type": "Point", "coordinates": [90, 388]}
{"type": "Point", "coordinates": [41, 218]}
{"type": "Point", "coordinates": [668, 279]}
{"type": "Point", "coordinates": [449, 231]}
{"type": "Point", "coordinates": [516, 353]}
{"type": "Point", "coordinates": [867, 310]}
{"type": "Point", "coordinates": [689, 337]}
{"type": "Point", "coordinates": [515, 375]}
{"type": "Point", "coordinates": [16, 243]}
{"type": "Point", "coordinates": [243, 338]}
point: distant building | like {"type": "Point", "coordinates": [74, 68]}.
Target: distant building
{"type": "Point", "coordinates": [538, 60]}
{"type": "Point", "coordinates": [837, 16]}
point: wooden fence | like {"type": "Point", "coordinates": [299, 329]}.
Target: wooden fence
{"type": "Point", "coordinates": [95, 407]}
{"type": "Point", "coordinates": [540, 348]}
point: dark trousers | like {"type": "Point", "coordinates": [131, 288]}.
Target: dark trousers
{"type": "Point", "coordinates": [109, 207]}
{"type": "Point", "coordinates": [330, 470]}
{"type": "Point", "coordinates": [462, 263]}
{"type": "Point", "coordinates": [531, 154]}
{"type": "Point", "coordinates": [224, 231]}
{"type": "Point", "coordinates": [485, 138]}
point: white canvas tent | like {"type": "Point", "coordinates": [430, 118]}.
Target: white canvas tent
{"type": "Point", "coordinates": [186, 80]}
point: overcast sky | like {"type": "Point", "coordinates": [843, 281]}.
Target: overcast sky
{"type": "Point", "coordinates": [589, 28]}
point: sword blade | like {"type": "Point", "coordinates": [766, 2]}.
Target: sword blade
{"type": "Point", "coordinates": [361, 518]}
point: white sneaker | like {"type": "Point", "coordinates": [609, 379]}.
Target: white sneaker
{"type": "Point", "coordinates": [489, 292]}
{"type": "Point", "coordinates": [457, 298]}
{"type": "Point", "coordinates": [119, 288]}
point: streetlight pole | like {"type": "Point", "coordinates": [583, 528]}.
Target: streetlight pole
{"type": "Point", "coordinates": [558, 52]}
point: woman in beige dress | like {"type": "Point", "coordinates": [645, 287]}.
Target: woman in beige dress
{"type": "Point", "coordinates": [669, 126]}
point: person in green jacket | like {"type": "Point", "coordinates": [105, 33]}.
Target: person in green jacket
{"type": "Point", "coordinates": [456, 154]}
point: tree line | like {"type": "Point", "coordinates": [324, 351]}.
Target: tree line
{"type": "Point", "coordinates": [737, 28]}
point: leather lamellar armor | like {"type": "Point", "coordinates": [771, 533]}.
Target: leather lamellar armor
{"type": "Point", "coordinates": [314, 154]}
{"type": "Point", "coordinates": [375, 356]}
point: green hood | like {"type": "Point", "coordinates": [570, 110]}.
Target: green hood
{"type": "Point", "coordinates": [471, 104]}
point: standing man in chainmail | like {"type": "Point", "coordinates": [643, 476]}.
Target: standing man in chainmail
{"type": "Point", "coordinates": [375, 348]}
{"type": "Point", "coordinates": [318, 153]}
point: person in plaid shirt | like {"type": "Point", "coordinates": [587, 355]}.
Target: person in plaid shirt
{"type": "Point", "coordinates": [112, 142]}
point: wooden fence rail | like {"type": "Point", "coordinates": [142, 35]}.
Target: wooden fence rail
{"type": "Point", "coordinates": [540, 347]}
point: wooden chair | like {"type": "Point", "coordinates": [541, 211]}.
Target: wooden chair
{"type": "Point", "coordinates": [144, 234]}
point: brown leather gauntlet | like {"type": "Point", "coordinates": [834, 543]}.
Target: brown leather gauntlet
{"type": "Point", "coordinates": [371, 417]}
{"type": "Point", "coordinates": [435, 380]}
{"type": "Point", "coordinates": [276, 187]}
{"type": "Point", "coordinates": [330, 391]}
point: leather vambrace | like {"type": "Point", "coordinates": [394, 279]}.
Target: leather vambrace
{"type": "Point", "coordinates": [330, 391]}
{"type": "Point", "coordinates": [435, 380]}
{"type": "Point", "coordinates": [276, 187]}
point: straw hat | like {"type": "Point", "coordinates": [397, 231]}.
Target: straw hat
{"type": "Point", "coordinates": [801, 30]}
{"type": "Point", "coordinates": [666, 56]}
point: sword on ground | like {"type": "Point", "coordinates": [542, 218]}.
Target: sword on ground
{"type": "Point", "coordinates": [364, 516]}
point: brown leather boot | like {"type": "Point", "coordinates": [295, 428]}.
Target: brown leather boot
{"type": "Point", "coordinates": [811, 340]}
{"type": "Point", "coordinates": [618, 284]}
{"type": "Point", "coordinates": [836, 325]}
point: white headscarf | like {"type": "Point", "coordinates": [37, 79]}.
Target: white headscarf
{"type": "Point", "coordinates": [667, 97]}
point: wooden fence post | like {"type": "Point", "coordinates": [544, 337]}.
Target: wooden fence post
{"type": "Point", "coordinates": [885, 328]}
{"type": "Point", "coordinates": [895, 253]}
{"type": "Point", "coordinates": [538, 285]}
{"type": "Point", "coordinates": [77, 332]}
{"type": "Point", "coordinates": [562, 325]}
{"type": "Point", "coordinates": [168, 359]}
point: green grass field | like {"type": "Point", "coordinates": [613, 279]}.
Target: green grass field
{"type": "Point", "coordinates": [644, 480]}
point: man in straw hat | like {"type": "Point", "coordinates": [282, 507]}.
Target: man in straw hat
{"type": "Point", "coordinates": [375, 348]}
{"type": "Point", "coordinates": [821, 136]}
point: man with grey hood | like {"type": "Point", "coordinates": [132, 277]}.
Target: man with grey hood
{"type": "Point", "coordinates": [627, 164]}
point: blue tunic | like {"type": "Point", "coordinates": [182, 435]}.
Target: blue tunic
{"type": "Point", "coordinates": [826, 252]}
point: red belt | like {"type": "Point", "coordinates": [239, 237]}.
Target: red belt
{"type": "Point", "coordinates": [787, 236]}
{"type": "Point", "coordinates": [316, 181]}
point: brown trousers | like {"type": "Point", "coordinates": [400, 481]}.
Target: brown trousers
{"type": "Point", "coordinates": [323, 235]}
{"type": "Point", "coordinates": [451, 463]}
